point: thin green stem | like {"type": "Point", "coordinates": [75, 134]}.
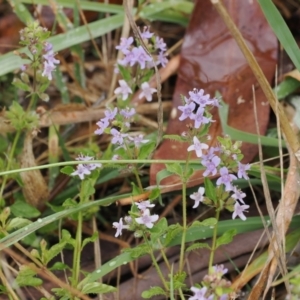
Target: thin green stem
{"type": "Point", "coordinates": [158, 270]}
{"type": "Point", "coordinates": [214, 241]}
{"type": "Point", "coordinates": [181, 294]}
{"type": "Point", "coordinates": [10, 159]}
{"type": "Point", "coordinates": [77, 252]}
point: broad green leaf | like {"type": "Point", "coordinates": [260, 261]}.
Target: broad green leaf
{"type": "Point", "coordinates": [197, 246]}
{"type": "Point", "coordinates": [25, 210]}
{"type": "Point", "coordinates": [153, 291]}
{"type": "Point", "coordinates": [226, 237]}
{"type": "Point", "coordinates": [210, 189]}
{"type": "Point", "coordinates": [17, 223]}
{"type": "Point", "coordinates": [26, 276]}
{"type": "Point", "coordinates": [97, 288]}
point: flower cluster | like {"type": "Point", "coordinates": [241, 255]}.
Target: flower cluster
{"type": "Point", "coordinates": [137, 56]}
{"type": "Point", "coordinates": [49, 60]}
{"type": "Point", "coordinates": [211, 284]}
{"type": "Point", "coordinates": [121, 119]}
{"type": "Point", "coordinates": [144, 218]}
{"type": "Point", "coordinates": [85, 169]}
{"type": "Point", "coordinates": [217, 161]}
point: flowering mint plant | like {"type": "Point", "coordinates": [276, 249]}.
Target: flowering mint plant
{"type": "Point", "coordinates": [40, 59]}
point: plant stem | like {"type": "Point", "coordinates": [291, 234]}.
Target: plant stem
{"type": "Point", "coordinates": [10, 158]}
{"type": "Point", "coordinates": [158, 270]}
{"type": "Point", "coordinates": [214, 240]}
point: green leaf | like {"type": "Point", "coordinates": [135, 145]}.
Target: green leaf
{"type": "Point", "coordinates": [173, 231]}
{"type": "Point", "coordinates": [174, 137]}
{"type": "Point", "coordinates": [210, 189]}
{"type": "Point", "coordinates": [91, 239]}
{"type": "Point", "coordinates": [286, 87]}
{"type": "Point", "coordinates": [226, 237]}
{"type": "Point", "coordinates": [59, 266]}
{"type": "Point", "coordinates": [197, 246]}
{"type": "Point", "coordinates": [22, 209]}
{"type": "Point", "coordinates": [153, 291]}
{"type": "Point", "coordinates": [26, 276]}
{"type": "Point", "coordinates": [97, 288]}
{"type": "Point", "coordinates": [146, 150]}
{"type": "Point", "coordinates": [17, 223]}
{"type": "Point", "coordinates": [53, 251]}
{"type": "Point", "coordinates": [87, 189]}
{"type": "Point", "coordinates": [138, 250]}
{"type": "Point", "coordinates": [125, 73]}
{"type": "Point", "coordinates": [209, 222]}
{"type": "Point", "coordinates": [155, 193]}
{"type": "Point", "coordinates": [178, 280]}
{"type": "Point", "coordinates": [175, 168]}
{"type": "Point", "coordinates": [17, 82]}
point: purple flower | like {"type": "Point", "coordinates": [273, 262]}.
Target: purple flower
{"type": "Point", "coordinates": [48, 47]}
{"type": "Point", "coordinates": [146, 34]}
{"type": "Point", "coordinates": [49, 56]}
{"type": "Point", "coordinates": [160, 44]}
{"type": "Point", "coordinates": [119, 226]}
{"type": "Point", "coordinates": [144, 205]}
{"type": "Point", "coordinates": [238, 195]}
{"type": "Point", "coordinates": [123, 89]}
{"type": "Point", "coordinates": [198, 196]}
{"type": "Point", "coordinates": [242, 170]}
{"type": "Point", "coordinates": [187, 110]}
{"type": "Point", "coordinates": [127, 113]}
{"type": "Point", "coordinates": [81, 171]}
{"type": "Point", "coordinates": [199, 97]}
{"type": "Point", "coordinates": [162, 59]}
{"type": "Point", "coordinates": [118, 137]}
{"type": "Point", "coordinates": [90, 167]}
{"type": "Point", "coordinates": [226, 179]}
{"type": "Point", "coordinates": [48, 69]}
{"type": "Point", "coordinates": [211, 166]}
{"type": "Point", "coordinates": [129, 59]}
{"type": "Point", "coordinates": [125, 44]}
{"type": "Point", "coordinates": [210, 153]}
{"type": "Point", "coordinates": [110, 114]}
{"type": "Point", "coordinates": [219, 269]}
{"type": "Point", "coordinates": [102, 124]}
{"type": "Point", "coordinates": [140, 56]}
{"type": "Point", "coordinates": [23, 68]}
{"type": "Point", "coordinates": [215, 102]}
{"type": "Point", "coordinates": [146, 219]}
{"type": "Point", "coordinates": [199, 118]}
{"type": "Point", "coordinates": [239, 211]}
{"type": "Point", "coordinates": [147, 91]}
{"type": "Point", "coordinates": [197, 146]}
{"type": "Point", "coordinates": [199, 294]}
{"type": "Point", "coordinates": [138, 140]}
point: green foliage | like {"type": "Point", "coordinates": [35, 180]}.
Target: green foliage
{"type": "Point", "coordinates": [67, 170]}
{"type": "Point", "coordinates": [210, 189]}
{"type": "Point", "coordinates": [197, 246]}
{"type": "Point", "coordinates": [174, 137]}
{"type": "Point", "coordinates": [226, 237]}
{"type": "Point", "coordinates": [146, 150]}
{"type": "Point", "coordinates": [27, 276]}
{"type": "Point", "coordinates": [16, 223]}
{"type": "Point", "coordinates": [153, 291]}
{"type": "Point", "coordinates": [175, 168]}
{"type": "Point", "coordinates": [138, 251]}
{"type": "Point", "coordinates": [21, 119]}
{"type": "Point", "coordinates": [23, 209]}
{"type": "Point", "coordinates": [178, 280]}
{"type": "Point", "coordinates": [91, 239]}
{"type": "Point", "coordinates": [172, 232]}
{"type": "Point", "coordinates": [97, 288]}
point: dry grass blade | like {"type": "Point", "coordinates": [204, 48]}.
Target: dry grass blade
{"type": "Point", "coordinates": [284, 123]}
{"type": "Point", "coordinates": [284, 216]}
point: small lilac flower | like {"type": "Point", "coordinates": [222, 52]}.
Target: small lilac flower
{"type": "Point", "coordinates": [49, 56]}
{"type": "Point", "coordinates": [123, 89]}
{"type": "Point", "coordinates": [81, 171]}
{"type": "Point", "coordinates": [199, 97]}
{"type": "Point", "coordinates": [162, 59]}
{"type": "Point", "coordinates": [138, 140]}
{"type": "Point", "coordinates": [110, 114]}
{"type": "Point", "coordinates": [238, 195]}
{"type": "Point", "coordinates": [197, 146]}
{"type": "Point", "coordinates": [211, 166]}
{"type": "Point", "coordinates": [118, 137]}
{"type": "Point", "coordinates": [144, 205]}
{"type": "Point", "coordinates": [242, 170]}
{"type": "Point", "coordinates": [115, 157]}
{"type": "Point", "coordinates": [215, 102]}
{"type": "Point", "coordinates": [119, 226]}
{"type": "Point", "coordinates": [234, 156]}
{"type": "Point", "coordinates": [226, 179]}
{"type": "Point", "coordinates": [48, 47]}
{"type": "Point", "coordinates": [146, 219]}
{"type": "Point", "coordinates": [48, 69]}
{"type": "Point", "coordinates": [239, 211]}
{"type": "Point", "coordinates": [160, 44]}
{"type": "Point", "coordinates": [220, 270]}
{"type": "Point", "coordinates": [199, 294]}
{"type": "Point", "coordinates": [125, 44]}
{"type": "Point", "coordinates": [147, 91]}
{"type": "Point", "coordinates": [128, 60]}
{"type": "Point", "coordinates": [23, 68]}
{"type": "Point", "coordinates": [199, 118]}
{"type": "Point", "coordinates": [90, 167]}
{"type": "Point", "coordinates": [198, 196]}
{"type": "Point", "coordinates": [210, 153]}
{"type": "Point", "coordinates": [146, 34]}
{"type": "Point", "coordinates": [128, 112]}
{"type": "Point", "coordinates": [187, 110]}
{"type": "Point", "coordinates": [102, 124]}
{"type": "Point", "coordinates": [140, 56]}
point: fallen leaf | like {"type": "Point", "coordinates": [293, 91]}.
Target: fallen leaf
{"type": "Point", "coordinates": [211, 60]}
